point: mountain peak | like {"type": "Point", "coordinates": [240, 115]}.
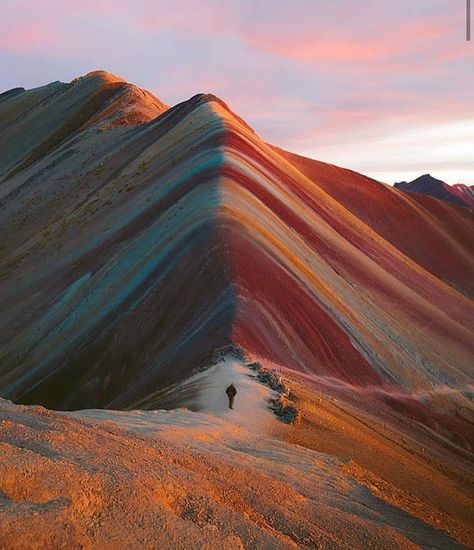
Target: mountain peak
{"type": "Point", "coordinates": [209, 98]}
{"type": "Point", "coordinates": [204, 97]}
{"type": "Point", "coordinates": [429, 179]}
{"type": "Point", "coordinates": [63, 110]}
{"type": "Point", "coordinates": [426, 184]}
{"type": "Point", "coordinates": [134, 105]}
{"type": "Point", "coordinates": [101, 75]}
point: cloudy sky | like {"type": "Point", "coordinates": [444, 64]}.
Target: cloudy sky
{"type": "Point", "coordinates": [385, 87]}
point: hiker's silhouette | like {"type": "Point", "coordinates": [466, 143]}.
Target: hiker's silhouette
{"type": "Point", "coordinates": [231, 392]}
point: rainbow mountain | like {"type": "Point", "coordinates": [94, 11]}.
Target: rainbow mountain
{"type": "Point", "coordinates": [138, 239]}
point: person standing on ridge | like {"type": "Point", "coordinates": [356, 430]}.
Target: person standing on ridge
{"type": "Point", "coordinates": [231, 392]}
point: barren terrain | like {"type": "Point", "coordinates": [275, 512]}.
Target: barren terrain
{"type": "Point", "coordinates": [221, 479]}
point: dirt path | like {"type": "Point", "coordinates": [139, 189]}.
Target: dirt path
{"type": "Point", "coordinates": [251, 402]}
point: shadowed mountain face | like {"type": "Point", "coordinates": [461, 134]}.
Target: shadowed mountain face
{"type": "Point", "coordinates": [138, 239]}
{"type": "Point", "coordinates": [459, 194]}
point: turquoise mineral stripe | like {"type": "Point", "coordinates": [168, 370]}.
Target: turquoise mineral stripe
{"type": "Point", "coordinates": [204, 161]}
{"type": "Point", "coordinates": [137, 261]}
{"type": "Point", "coordinates": [54, 315]}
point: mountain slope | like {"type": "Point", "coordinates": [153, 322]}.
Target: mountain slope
{"type": "Point", "coordinates": [132, 251]}
{"type": "Point", "coordinates": [109, 479]}
{"type": "Point", "coordinates": [435, 236]}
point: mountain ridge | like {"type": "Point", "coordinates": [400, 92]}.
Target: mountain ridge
{"type": "Point", "coordinates": [148, 245]}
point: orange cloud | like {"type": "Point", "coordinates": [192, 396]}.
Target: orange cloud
{"type": "Point", "coordinates": [321, 47]}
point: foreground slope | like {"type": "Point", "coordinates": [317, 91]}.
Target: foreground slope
{"type": "Point", "coordinates": [139, 479]}
{"type": "Point", "coordinates": [132, 251]}
{"type": "Point", "coordinates": [221, 478]}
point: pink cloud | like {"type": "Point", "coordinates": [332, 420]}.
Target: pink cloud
{"type": "Point", "coordinates": [324, 50]}
{"type": "Point", "coordinates": [26, 36]}
{"type": "Point", "coordinates": [322, 46]}
{"type": "Point", "coordinates": [297, 71]}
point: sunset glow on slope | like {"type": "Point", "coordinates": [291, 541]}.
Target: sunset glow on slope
{"type": "Point", "coordinates": [236, 275]}
{"type": "Point", "coordinates": [344, 81]}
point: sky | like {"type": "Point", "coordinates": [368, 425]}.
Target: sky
{"type": "Point", "coordinates": [384, 87]}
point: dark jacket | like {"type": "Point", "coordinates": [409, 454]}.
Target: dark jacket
{"type": "Point", "coordinates": [231, 391]}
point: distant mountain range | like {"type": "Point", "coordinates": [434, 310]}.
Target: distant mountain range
{"type": "Point", "coordinates": [460, 194]}
{"type": "Point", "coordinates": [136, 239]}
